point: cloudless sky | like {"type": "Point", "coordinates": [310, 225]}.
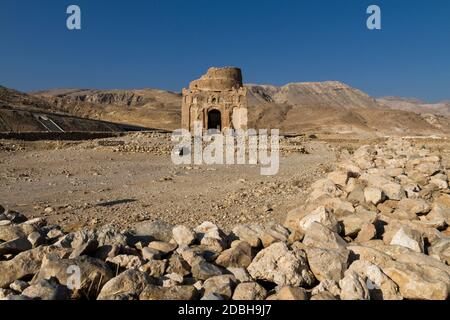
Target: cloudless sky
{"type": "Point", "coordinates": [167, 43]}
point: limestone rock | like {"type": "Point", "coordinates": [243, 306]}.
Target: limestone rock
{"type": "Point", "coordinates": [320, 215]}
{"type": "Point", "coordinates": [212, 297]}
{"type": "Point", "coordinates": [156, 230]}
{"type": "Point", "coordinates": [36, 239]}
{"type": "Point", "coordinates": [208, 230]}
{"type": "Point", "coordinates": [337, 206]}
{"type": "Point", "coordinates": [393, 191]}
{"type": "Point", "coordinates": [19, 285]}
{"type": "Point", "coordinates": [320, 236]}
{"type": "Point", "coordinates": [240, 274]}
{"type": "Point", "coordinates": [409, 238]}
{"type": "Point", "coordinates": [163, 247]}
{"type": "Point", "coordinates": [290, 293]}
{"type": "Point", "coordinates": [239, 255]}
{"type": "Point", "coordinates": [323, 296]}
{"type": "Point", "coordinates": [209, 235]}
{"type": "Point", "coordinates": [278, 264]}
{"type": "Point", "coordinates": [150, 254]}
{"type": "Point", "coordinates": [15, 246]}
{"type": "Point", "coordinates": [380, 286]}
{"type": "Point", "coordinates": [353, 287]}
{"type": "Point", "coordinates": [12, 232]}
{"type": "Point", "coordinates": [249, 291]}
{"type": "Point", "coordinates": [93, 272]}
{"type": "Point", "coordinates": [204, 270]}
{"type": "Point", "coordinates": [441, 250]}
{"type": "Point", "coordinates": [250, 233]}
{"type": "Point", "coordinates": [86, 247]}
{"type": "Point", "coordinates": [183, 235]}
{"type": "Point", "coordinates": [178, 265]}
{"type": "Point", "coordinates": [47, 290]}
{"type": "Point", "coordinates": [354, 222]}
{"type": "Point", "coordinates": [222, 285]}
{"type": "Point", "coordinates": [130, 283]}
{"type": "Point", "coordinates": [272, 233]}
{"type": "Point", "coordinates": [327, 264]}
{"type": "Point", "coordinates": [419, 281]}
{"type": "Point", "coordinates": [172, 279]}
{"type": "Point", "coordinates": [339, 178]}
{"type": "Point", "coordinates": [367, 232]}
{"type": "Point", "coordinates": [15, 217]}
{"type": "Point", "coordinates": [414, 206]}
{"type": "Point", "coordinates": [126, 261]}
{"type": "Point", "coordinates": [328, 286]}
{"type": "Point", "coordinates": [373, 195]}
{"type": "Point", "coordinates": [25, 264]}
{"type": "Point", "coordinates": [152, 292]}
{"type": "Point", "coordinates": [324, 187]}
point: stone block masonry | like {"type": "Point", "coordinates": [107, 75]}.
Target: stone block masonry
{"type": "Point", "coordinates": [218, 100]}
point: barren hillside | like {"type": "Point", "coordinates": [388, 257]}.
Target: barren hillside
{"type": "Point", "coordinates": [333, 107]}
{"type": "Point", "coordinates": [414, 105]}
{"type": "Point", "coordinates": [145, 107]}
{"type": "Point", "coordinates": [325, 107]}
{"type": "Point", "coordinates": [21, 112]}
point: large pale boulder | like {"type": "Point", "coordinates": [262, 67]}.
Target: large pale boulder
{"type": "Point", "coordinates": [10, 232]}
{"type": "Point", "coordinates": [380, 286]}
{"type": "Point", "coordinates": [251, 233]}
{"type": "Point", "coordinates": [414, 206]}
{"type": "Point", "coordinates": [222, 285]}
{"type": "Point", "coordinates": [327, 264]}
{"type": "Point", "coordinates": [354, 222]}
{"type": "Point", "coordinates": [249, 291]}
{"type": "Point", "coordinates": [153, 230]}
{"type": "Point", "coordinates": [238, 256]}
{"type": "Point", "coordinates": [322, 216]}
{"type": "Point", "coordinates": [47, 290]}
{"type": "Point", "coordinates": [26, 264]}
{"type": "Point", "coordinates": [419, 281]}
{"type": "Point", "coordinates": [183, 235]}
{"type": "Point", "coordinates": [320, 236]}
{"type": "Point", "coordinates": [282, 266]}
{"type": "Point", "coordinates": [409, 238]}
{"type": "Point", "coordinates": [209, 235]}
{"type": "Point", "coordinates": [93, 273]}
{"type": "Point", "coordinates": [272, 233]}
{"type": "Point", "coordinates": [324, 187]}
{"type": "Point", "coordinates": [373, 195]}
{"type": "Point", "coordinates": [441, 250]}
{"type": "Point", "coordinates": [127, 285]}
{"type": "Point", "coordinates": [339, 178]}
{"type": "Point", "coordinates": [353, 287]}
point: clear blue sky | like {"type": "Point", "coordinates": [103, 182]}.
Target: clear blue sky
{"type": "Point", "coordinates": [166, 43]}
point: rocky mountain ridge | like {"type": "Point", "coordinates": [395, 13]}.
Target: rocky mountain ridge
{"type": "Point", "coordinates": [415, 105]}
{"type": "Point", "coordinates": [322, 107]}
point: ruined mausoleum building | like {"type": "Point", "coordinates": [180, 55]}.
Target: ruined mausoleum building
{"type": "Point", "coordinates": [218, 100]}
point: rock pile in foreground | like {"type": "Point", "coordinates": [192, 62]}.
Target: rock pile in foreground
{"type": "Point", "coordinates": [376, 228]}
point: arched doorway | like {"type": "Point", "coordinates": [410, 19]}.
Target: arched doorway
{"type": "Point", "coordinates": [214, 120]}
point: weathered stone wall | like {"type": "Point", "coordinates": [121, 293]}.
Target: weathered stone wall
{"type": "Point", "coordinates": [219, 89]}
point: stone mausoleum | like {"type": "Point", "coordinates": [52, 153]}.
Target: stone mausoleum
{"type": "Point", "coordinates": [218, 100]}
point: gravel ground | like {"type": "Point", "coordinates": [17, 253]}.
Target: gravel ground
{"type": "Point", "coordinates": [87, 183]}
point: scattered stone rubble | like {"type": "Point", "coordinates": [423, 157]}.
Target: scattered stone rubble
{"type": "Point", "coordinates": [375, 228]}
{"type": "Point", "coordinates": [158, 143]}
